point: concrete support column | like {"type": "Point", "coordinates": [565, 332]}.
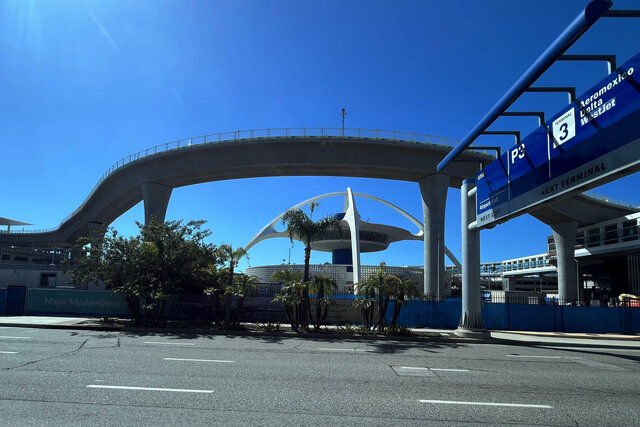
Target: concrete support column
{"type": "Point", "coordinates": [156, 199]}
{"type": "Point", "coordinates": [471, 322]}
{"type": "Point", "coordinates": [96, 232]}
{"type": "Point", "coordinates": [564, 235]}
{"type": "Point", "coordinates": [433, 189]}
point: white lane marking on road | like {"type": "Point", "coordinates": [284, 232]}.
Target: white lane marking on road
{"type": "Point", "coordinates": [200, 360]}
{"type": "Point", "coordinates": [168, 343]}
{"type": "Point", "coordinates": [412, 371]}
{"type": "Point", "coordinates": [16, 338]}
{"type": "Point", "coordinates": [8, 352]}
{"type": "Point", "coordinates": [531, 356]}
{"type": "Point", "coordinates": [449, 370]}
{"type": "Point", "coordinates": [514, 405]}
{"type": "Point", "coordinates": [335, 349]}
{"type": "Point", "coordinates": [122, 387]}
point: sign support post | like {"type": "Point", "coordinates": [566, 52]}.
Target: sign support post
{"type": "Point", "coordinates": [471, 322]}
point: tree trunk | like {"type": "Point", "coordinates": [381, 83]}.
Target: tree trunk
{"type": "Point", "coordinates": [319, 317]}
{"type": "Point", "coordinates": [216, 306]}
{"type": "Point", "coordinates": [382, 310]}
{"type": "Point", "coordinates": [239, 307]}
{"type": "Point", "coordinates": [396, 312]}
{"type": "Point", "coordinates": [307, 257]}
{"type": "Point", "coordinates": [227, 311]}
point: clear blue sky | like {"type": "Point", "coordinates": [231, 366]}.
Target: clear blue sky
{"type": "Point", "coordinates": [85, 83]}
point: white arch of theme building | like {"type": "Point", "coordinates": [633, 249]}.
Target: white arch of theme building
{"type": "Point", "coordinates": [353, 221]}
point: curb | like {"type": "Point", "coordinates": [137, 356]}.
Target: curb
{"type": "Point", "coordinates": [62, 326]}
{"type": "Point", "coordinates": [424, 337]}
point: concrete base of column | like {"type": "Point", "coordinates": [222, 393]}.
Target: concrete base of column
{"type": "Point", "coordinates": [472, 333]}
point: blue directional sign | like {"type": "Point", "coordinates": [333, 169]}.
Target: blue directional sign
{"type": "Point", "coordinates": [589, 140]}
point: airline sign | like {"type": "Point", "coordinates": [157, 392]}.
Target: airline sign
{"type": "Point", "coordinates": [592, 138]}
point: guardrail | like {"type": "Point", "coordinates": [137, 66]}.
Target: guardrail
{"type": "Point", "coordinates": [612, 200]}
{"type": "Point", "coordinates": [243, 135]}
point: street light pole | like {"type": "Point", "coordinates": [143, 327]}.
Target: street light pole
{"type": "Point", "coordinates": [344, 113]}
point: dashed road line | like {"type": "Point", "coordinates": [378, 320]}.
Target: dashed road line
{"type": "Point", "coordinates": [199, 360]}
{"type": "Point", "coordinates": [15, 338]}
{"type": "Point", "coordinates": [8, 352]}
{"type": "Point", "coordinates": [449, 370]}
{"type": "Point", "coordinates": [121, 387]}
{"type": "Point", "coordinates": [513, 405]}
{"type": "Point", "coordinates": [532, 356]}
{"type": "Point", "coordinates": [168, 343]}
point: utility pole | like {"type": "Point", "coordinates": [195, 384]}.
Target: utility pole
{"type": "Point", "coordinates": [344, 113]}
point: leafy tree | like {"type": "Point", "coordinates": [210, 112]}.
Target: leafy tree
{"type": "Point", "coordinates": [164, 259]}
{"type": "Point", "coordinates": [324, 286]}
{"type": "Point", "coordinates": [301, 227]}
{"type": "Point", "coordinates": [290, 295]}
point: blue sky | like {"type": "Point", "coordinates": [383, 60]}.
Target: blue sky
{"type": "Point", "coordinates": [85, 83]}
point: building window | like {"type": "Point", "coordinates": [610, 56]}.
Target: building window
{"type": "Point", "coordinates": [610, 234]}
{"type": "Point", "coordinates": [593, 237]}
{"type": "Point", "coordinates": [629, 231]}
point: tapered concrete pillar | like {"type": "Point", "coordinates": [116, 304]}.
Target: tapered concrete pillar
{"type": "Point", "coordinates": [564, 235]}
{"type": "Point", "coordinates": [433, 189]}
{"type": "Point", "coordinates": [96, 232]}
{"type": "Point", "coordinates": [471, 322]}
{"type": "Point", "coordinates": [156, 199]}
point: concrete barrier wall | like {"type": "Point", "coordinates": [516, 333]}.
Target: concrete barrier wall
{"type": "Point", "coordinates": [72, 302]}
{"type": "Point", "coordinates": [430, 314]}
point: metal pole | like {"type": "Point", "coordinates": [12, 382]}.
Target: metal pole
{"type": "Point", "coordinates": [344, 113]}
{"type": "Point", "coordinates": [471, 322]}
{"type": "Point", "coordinates": [438, 266]}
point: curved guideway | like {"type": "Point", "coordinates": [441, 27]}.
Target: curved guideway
{"type": "Point", "coordinates": [122, 187]}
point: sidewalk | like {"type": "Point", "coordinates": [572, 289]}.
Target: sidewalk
{"type": "Point", "coordinates": [497, 337]}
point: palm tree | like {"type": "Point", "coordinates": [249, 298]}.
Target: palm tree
{"type": "Point", "coordinates": [286, 276]}
{"type": "Point", "coordinates": [382, 286]}
{"type": "Point", "coordinates": [290, 296]}
{"type": "Point", "coordinates": [323, 285]}
{"type": "Point", "coordinates": [300, 226]}
{"type": "Point", "coordinates": [243, 286]}
{"type": "Point", "coordinates": [214, 291]}
{"type": "Point", "coordinates": [404, 290]}
{"type": "Point", "coordinates": [232, 257]}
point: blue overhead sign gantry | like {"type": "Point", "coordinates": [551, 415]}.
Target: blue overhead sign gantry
{"type": "Point", "coordinates": [594, 137]}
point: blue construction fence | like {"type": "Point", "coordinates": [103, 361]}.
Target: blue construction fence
{"type": "Point", "coordinates": [523, 317]}
{"type": "Point", "coordinates": [19, 300]}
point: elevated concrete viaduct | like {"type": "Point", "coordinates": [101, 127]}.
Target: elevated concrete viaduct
{"type": "Point", "coordinates": [152, 176]}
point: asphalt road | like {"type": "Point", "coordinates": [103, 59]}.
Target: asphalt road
{"type": "Point", "coordinates": [63, 377]}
